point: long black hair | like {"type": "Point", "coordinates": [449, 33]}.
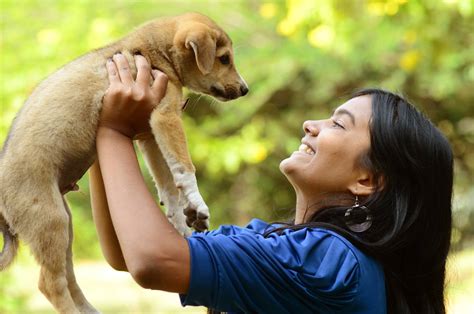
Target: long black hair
{"type": "Point", "coordinates": [410, 210]}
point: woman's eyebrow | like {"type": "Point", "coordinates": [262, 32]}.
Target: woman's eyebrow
{"type": "Point", "coordinates": [346, 112]}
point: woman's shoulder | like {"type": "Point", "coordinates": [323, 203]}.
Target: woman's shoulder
{"type": "Point", "coordinates": [327, 250]}
{"type": "Point", "coordinates": [301, 249]}
{"type": "Point", "coordinates": [330, 263]}
{"type": "Point", "coordinates": [322, 246]}
{"type": "Point", "coordinates": [316, 260]}
{"type": "Point", "coordinates": [327, 242]}
{"type": "Point", "coordinates": [301, 239]}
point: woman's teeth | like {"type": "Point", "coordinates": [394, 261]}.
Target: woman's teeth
{"type": "Point", "coordinates": [306, 149]}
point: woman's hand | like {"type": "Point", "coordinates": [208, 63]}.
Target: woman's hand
{"type": "Point", "coordinates": [127, 104]}
{"type": "Point", "coordinates": [163, 261]}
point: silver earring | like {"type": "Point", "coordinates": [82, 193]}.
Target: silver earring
{"type": "Point", "coordinates": [357, 217]}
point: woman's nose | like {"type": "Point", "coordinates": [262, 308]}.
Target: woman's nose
{"type": "Point", "coordinates": [310, 127]}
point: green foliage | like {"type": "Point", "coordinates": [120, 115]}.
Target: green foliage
{"type": "Point", "coordinates": [301, 59]}
{"type": "Point", "coordinates": [85, 244]}
{"type": "Point", "coordinates": [10, 300]}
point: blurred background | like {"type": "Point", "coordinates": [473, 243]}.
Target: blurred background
{"type": "Point", "coordinates": [301, 59]}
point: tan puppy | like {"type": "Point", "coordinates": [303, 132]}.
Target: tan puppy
{"type": "Point", "coordinates": [51, 143]}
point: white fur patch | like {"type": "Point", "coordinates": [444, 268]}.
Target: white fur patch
{"type": "Point", "coordinates": [188, 185]}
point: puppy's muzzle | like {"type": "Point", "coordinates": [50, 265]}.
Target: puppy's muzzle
{"type": "Point", "coordinates": [243, 90]}
{"type": "Point", "coordinates": [229, 92]}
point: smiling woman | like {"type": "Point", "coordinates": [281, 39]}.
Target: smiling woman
{"type": "Point", "coordinates": [331, 167]}
{"type": "Point", "coordinates": [371, 232]}
{"type": "Point", "coordinates": [380, 148]}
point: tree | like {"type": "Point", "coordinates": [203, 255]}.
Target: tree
{"type": "Point", "coordinates": [300, 58]}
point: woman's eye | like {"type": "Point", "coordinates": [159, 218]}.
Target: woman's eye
{"type": "Point", "coordinates": [224, 59]}
{"type": "Point", "coordinates": [337, 125]}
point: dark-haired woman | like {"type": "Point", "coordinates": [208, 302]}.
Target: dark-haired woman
{"type": "Point", "coordinates": [371, 233]}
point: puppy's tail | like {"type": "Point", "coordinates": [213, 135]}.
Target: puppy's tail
{"type": "Point", "coordinates": [10, 245]}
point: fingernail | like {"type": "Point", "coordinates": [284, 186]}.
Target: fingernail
{"type": "Point", "coordinates": [110, 60]}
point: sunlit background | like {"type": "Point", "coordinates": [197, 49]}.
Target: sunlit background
{"type": "Point", "coordinates": [301, 58]}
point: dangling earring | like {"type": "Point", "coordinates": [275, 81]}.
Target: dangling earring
{"type": "Point", "coordinates": [354, 217]}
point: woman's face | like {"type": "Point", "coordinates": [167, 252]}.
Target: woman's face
{"type": "Point", "coordinates": [327, 160]}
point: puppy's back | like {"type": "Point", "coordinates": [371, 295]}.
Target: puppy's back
{"type": "Point", "coordinates": [57, 124]}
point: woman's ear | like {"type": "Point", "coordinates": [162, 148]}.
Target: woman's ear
{"type": "Point", "coordinates": [364, 185]}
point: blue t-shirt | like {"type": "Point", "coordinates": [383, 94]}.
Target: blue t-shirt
{"type": "Point", "coordinates": [235, 269]}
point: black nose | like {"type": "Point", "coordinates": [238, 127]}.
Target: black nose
{"type": "Point", "coordinates": [244, 90]}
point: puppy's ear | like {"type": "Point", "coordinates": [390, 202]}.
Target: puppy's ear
{"type": "Point", "coordinates": [203, 43]}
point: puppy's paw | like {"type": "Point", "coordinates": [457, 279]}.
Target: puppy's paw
{"type": "Point", "coordinates": [197, 217]}
{"type": "Point", "coordinates": [173, 203]}
{"type": "Point", "coordinates": [179, 222]}
{"type": "Point", "coordinates": [193, 205]}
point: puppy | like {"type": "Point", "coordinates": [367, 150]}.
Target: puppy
{"type": "Point", "coordinates": [51, 143]}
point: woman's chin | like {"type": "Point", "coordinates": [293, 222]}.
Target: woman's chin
{"type": "Point", "coordinates": [296, 158]}
{"type": "Point", "coordinates": [287, 165]}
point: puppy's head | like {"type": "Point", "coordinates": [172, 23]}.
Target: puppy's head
{"type": "Point", "coordinates": [206, 58]}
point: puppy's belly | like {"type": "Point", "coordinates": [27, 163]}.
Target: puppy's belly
{"type": "Point", "coordinates": [40, 160]}
{"type": "Point", "coordinates": [73, 169]}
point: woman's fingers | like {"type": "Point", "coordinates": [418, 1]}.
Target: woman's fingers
{"type": "Point", "coordinates": [123, 68]}
{"type": "Point", "coordinates": [129, 102]}
{"type": "Point", "coordinates": [112, 71]}
{"type": "Point", "coordinates": [143, 71]}
{"type": "Point", "coordinates": [119, 72]}
{"type": "Point", "coordinates": [159, 84]}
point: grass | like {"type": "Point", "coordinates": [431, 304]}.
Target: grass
{"type": "Point", "coordinates": [114, 292]}
{"type": "Point", "coordinates": [111, 292]}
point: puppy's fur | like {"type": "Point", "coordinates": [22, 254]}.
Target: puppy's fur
{"type": "Point", "coordinates": [51, 143]}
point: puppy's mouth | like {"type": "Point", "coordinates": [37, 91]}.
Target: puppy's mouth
{"type": "Point", "coordinates": [224, 94]}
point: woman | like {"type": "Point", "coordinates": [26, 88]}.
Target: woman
{"type": "Point", "coordinates": [371, 231]}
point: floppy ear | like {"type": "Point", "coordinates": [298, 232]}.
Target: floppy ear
{"type": "Point", "coordinates": [203, 44]}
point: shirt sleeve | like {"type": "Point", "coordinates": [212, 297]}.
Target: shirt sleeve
{"type": "Point", "coordinates": [255, 226]}
{"type": "Point", "coordinates": [304, 271]}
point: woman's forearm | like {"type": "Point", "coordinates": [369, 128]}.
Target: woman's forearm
{"type": "Point", "coordinates": [155, 254]}
{"type": "Point", "coordinates": [105, 229]}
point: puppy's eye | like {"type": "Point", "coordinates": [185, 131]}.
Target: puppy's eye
{"type": "Point", "coordinates": [224, 59]}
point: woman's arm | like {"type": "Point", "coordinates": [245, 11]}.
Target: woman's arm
{"type": "Point", "coordinates": [155, 254]}
{"type": "Point", "coordinates": [105, 229]}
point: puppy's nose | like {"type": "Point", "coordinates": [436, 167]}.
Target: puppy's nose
{"type": "Point", "coordinates": [244, 90]}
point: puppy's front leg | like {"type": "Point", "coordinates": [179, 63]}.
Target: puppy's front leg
{"type": "Point", "coordinates": [168, 130]}
{"type": "Point", "coordinates": [164, 182]}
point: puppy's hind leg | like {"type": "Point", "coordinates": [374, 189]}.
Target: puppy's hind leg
{"type": "Point", "coordinates": [167, 191]}
{"type": "Point", "coordinates": [47, 234]}
{"type": "Point", "coordinates": [78, 297]}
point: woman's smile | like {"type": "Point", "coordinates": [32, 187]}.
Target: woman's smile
{"type": "Point", "coordinates": [305, 148]}
{"type": "Point", "coordinates": [327, 159]}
